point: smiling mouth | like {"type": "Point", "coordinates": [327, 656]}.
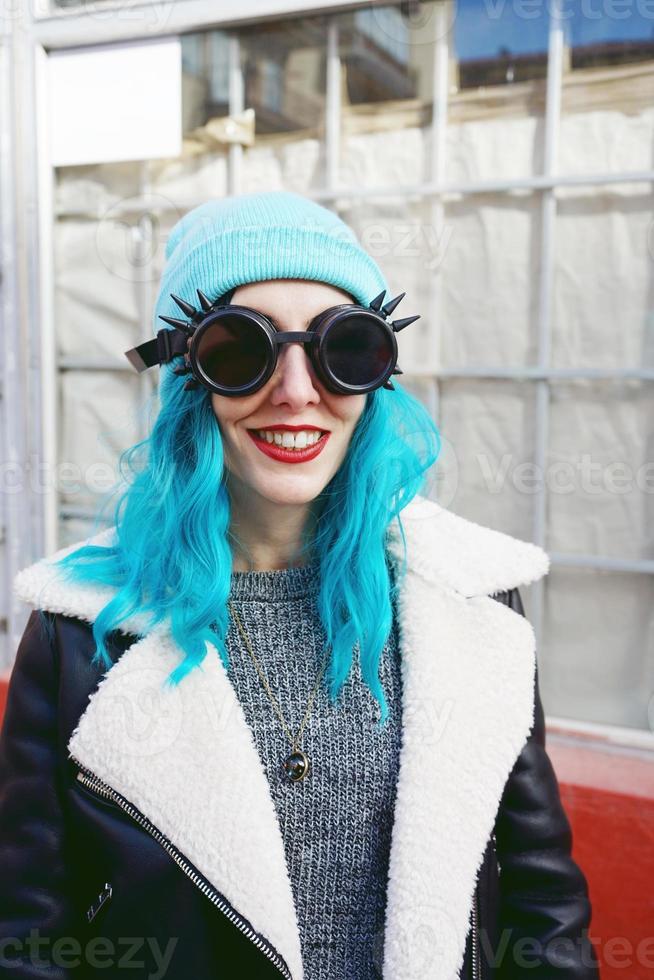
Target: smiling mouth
{"type": "Point", "coordinates": [289, 454]}
{"type": "Point", "coordinates": [286, 439]}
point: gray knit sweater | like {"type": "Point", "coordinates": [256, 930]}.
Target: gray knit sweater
{"type": "Point", "coordinates": [336, 823]}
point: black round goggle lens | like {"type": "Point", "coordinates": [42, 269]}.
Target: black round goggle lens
{"type": "Point", "coordinates": [233, 351]}
{"type": "Point", "coordinates": [358, 350]}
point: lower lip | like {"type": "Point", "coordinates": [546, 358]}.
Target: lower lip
{"type": "Point", "coordinates": [289, 455]}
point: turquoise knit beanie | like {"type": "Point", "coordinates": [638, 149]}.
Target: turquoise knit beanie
{"type": "Point", "coordinates": [232, 241]}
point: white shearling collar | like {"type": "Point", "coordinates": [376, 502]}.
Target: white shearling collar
{"type": "Point", "coordinates": [442, 547]}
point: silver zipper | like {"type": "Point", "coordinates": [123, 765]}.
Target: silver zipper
{"type": "Point", "coordinates": [476, 950]}
{"type": "Point", "coordinates": [476, 959]}
{"type": "Point", "coordinates": [96, 785]}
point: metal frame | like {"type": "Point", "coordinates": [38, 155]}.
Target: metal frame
{"type": "Point", "coordinates": [27, 371]}
{"type": "Point", "coordinates": [67, 27]}
{"type": "Point", "coordinates": [13, 506]}
{"type": "Point", "coordinates": [438, 189]}
{"type": "Point", "coordinates": [54, 29]}
{"type": "Point", "coordinates": [544, 342]}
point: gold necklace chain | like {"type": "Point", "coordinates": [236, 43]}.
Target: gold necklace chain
{"type": "Point", "coordinates": [296, 765]}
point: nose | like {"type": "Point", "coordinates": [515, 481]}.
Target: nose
{"type": "Point", "coordinates": [294, 381]}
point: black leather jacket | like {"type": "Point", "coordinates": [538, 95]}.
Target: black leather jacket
{"type": "Point", "coordinates": [61, 843]}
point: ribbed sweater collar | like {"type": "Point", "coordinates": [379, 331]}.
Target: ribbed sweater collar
{"type": "Point", "coordinates": [276, 585]}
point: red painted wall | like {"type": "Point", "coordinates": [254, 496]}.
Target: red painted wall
{"type": "Point", "coordinates": [608, 794]}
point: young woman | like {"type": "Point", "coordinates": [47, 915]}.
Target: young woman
{"type": "Point", "coordinates": [282, 717]}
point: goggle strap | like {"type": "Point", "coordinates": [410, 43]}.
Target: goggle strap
{"type": "Point", "coordinates": [161, 349]}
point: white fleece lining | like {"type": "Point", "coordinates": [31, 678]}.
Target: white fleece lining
{"type": "Point", "coordinates": [187, 758]}
{"type": "Point", "coordinates": [468, 670]}
{"type": "Point", "coordinates": [462, 555]}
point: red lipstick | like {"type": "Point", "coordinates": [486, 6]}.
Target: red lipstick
{"type": "Point", "coordinates": [289, 455]}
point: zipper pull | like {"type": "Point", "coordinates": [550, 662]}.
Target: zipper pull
{"type": "Point", "coordinates": [103, 897]}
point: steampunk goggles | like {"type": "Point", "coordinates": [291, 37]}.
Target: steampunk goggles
{"type": "Point", "coordinates": [233, 349]}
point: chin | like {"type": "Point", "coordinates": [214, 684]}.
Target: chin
{"type": "Point", "coordinates": [288, 487]}
{"type": "Point", "coordinates": [297, 494]}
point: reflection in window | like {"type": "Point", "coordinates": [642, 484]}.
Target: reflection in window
{"type": "Point", "coordinates": [598, 39]}
{"type": "Point", "coordinates": [497, 44]}
{"type": "Point", "coordinates": [284, 73]}
{"type": "Point", "coordinates": [205, 78]}
{"type": "Point", "coordinates": [387, 56]}
{"type": "Point", "coordinates": [385, 27]}
{"type": "Point", "coordinates": [375, 49]}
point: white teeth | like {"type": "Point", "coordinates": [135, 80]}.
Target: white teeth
{"type": "Point", "coordinates": [290, 440]}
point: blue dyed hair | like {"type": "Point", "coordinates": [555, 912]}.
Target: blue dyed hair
{"type": "Point", "coordinates": [172, 555]}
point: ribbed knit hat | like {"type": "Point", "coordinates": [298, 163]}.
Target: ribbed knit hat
{"type": "Point", "coordinates": [232, 241]}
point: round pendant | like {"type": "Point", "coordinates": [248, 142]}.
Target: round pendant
{"type": "Point", "coordinates": [296, 766]}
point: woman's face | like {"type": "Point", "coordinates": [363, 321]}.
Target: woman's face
{"type": "Point", "coordinates": [292, 396]}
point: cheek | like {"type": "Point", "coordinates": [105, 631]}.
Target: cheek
{"type": "Point", "coordinates": [355, 407]}
{"type": "Point", "coordinates": [217, 406]}
{"type": "Point", "coordinates": [227, 411]}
